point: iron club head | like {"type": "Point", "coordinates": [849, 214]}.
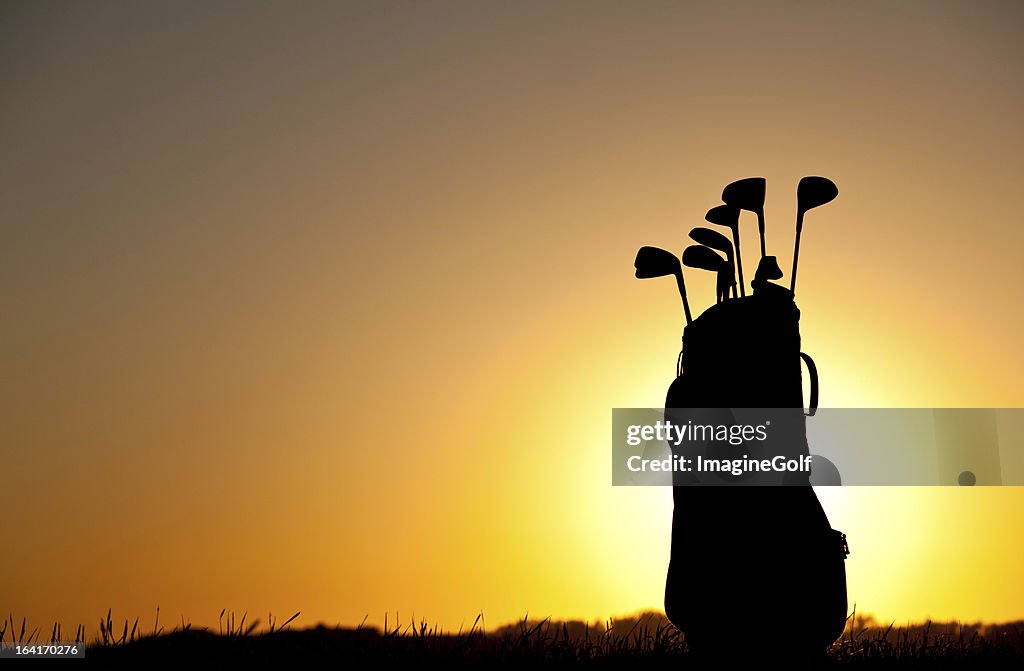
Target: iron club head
{"type": "Point", "coordinates": [656, 262]}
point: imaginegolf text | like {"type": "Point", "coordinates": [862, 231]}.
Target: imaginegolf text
{"type": "Point", "coordinates": [698, 464]}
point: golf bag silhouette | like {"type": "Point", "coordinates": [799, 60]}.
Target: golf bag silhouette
{"type": "Point", "coordinates": [749, 562]}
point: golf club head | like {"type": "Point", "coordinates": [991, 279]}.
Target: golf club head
{"type": "Point", "coordinates": [745, 194]}
{"type": "Point", "coordinates": [712, 239]}
{"type": "Point", "coordinates": [768, 269]}
{"type": "Point", "coordinates": [724, 215]}
{"type": "Point", "coordinates": [699, 256]}
{"type": "Point", "coordinates": [814, 192]}
{"type": "Point", "coordinates": [655, 262]}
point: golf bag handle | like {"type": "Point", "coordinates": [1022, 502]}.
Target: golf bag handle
{"type": "Point", "coordinates": [812, 371]}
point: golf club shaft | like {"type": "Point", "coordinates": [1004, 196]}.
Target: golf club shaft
{"type": "Point", "coordinates": [739, 261]}
{"type": "Point", "coordinates": [731, 290]}
{"type": "Point", "coordinates": [682, 294]}
{"type": "Point", "coordinates": [796, 249]}
{"type": "Point", "coordinates": [760, 228]}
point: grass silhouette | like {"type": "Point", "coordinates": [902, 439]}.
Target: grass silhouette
{"type": "Point", "coordinates": [648, 640]}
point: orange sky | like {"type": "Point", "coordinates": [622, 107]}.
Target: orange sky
{"type": "Point", "coordinates": [326, 307]}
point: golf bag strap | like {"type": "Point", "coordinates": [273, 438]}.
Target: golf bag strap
{"type": "Point", "coordinates": [812, 371]}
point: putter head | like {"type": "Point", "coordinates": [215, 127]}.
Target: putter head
{"type": "Point", "coordinates": [712, 239]}
{"type": "Point", "coordinates": [724, 215]}
{"type": "Point", "coordinates": [745, 194]}
{"type": "Point", "coordinates": [699, 256]}
{"type": "Point", "coordinates": [655, 262]}
{"type": "Point", "coordinates": [814, 192]}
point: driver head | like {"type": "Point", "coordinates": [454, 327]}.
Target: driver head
{"type": "Point", "coordinates": [745, 194]}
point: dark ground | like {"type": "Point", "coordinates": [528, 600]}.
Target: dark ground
{"type": "Point", "coordinates": [646, 642]}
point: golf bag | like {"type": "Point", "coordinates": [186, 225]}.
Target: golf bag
{"type": "Point", "coordinates": [749, 562]}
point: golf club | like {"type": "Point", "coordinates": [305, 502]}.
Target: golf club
{"type": "Point", "coordinates": [748, 194]}
{"type": "Point", "coordinates": [657, 262]}
{"type": "Point", "coordinates": [705, 258]}
{"type": "Point", "coordinates": [768, 270]}
{"type": "Point", "coordinates": [725, 215]}
{"type": "Point", "coordinates": [810, 193]}
{"type": "Point", "coordinates": [715, 240]}
{"type": "Point", "coordinates": [726, 282]}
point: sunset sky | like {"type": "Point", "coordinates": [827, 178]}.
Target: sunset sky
{"type": "Point", "coordinates": [325, 306]}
